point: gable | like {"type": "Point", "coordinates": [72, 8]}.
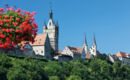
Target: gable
{"type": "Point", "coordinates": [28, 46]}
{"type": "Point", "coordinates": [39, 40]}
{"type": "Point", "coordinates": [67, 51]}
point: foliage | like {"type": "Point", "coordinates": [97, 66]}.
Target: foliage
{"type": "Point", "coordinates": [54, 78]}
{"type": "Point", "coordinates": [74, 77]}
{"type": "Point", "coordinates": [16, 26]}
{"type": "Point", "coordinates": [27, 68]}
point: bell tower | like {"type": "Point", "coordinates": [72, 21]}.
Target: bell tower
{"type": "Point", "coordinates": [52, 30]}
{"type": "Point", "coordinates": [93, 49]}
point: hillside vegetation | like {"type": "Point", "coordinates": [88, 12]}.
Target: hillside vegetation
{"type": "Point", "coordinates": [26, 68]}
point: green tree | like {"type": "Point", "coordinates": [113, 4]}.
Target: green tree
{"type": "Point", "coordinates": [74, 77]}
{"type": "Point", "coordinates": [54, 78]}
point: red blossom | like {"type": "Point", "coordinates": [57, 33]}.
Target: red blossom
{"type": "Point", "coordinates": [18, 19]}
{"type": "Point", "coordinates": [2, 36]}
{"type": "Point", "coordinates": [15, 23]}
{"type": "Point", "coordinates": [9, 20]}
{"type": "Point", "coordinates": [1, 20]}
{"type": "Point", "coordinates": [1, 9]}
{"type": "Point", "coordinates": [6, 20]}
{"type": "Point", "coordinates": [7, 30]}
{"type": "Point", "coordinates": [11, 17]}
{"type": "Point", "coordinates": [18, 10]}
{"type": "Point", "coordinates": [23, 26]}
{"type": "Point", "coordinates": [34, 25]}
{"type": "Point", "coordinates": [1, 23]}
{"type": "Point", "coordinates": [6, 16]}
{"type": "Point", "coordinates": [7, 8]}
{"type": "Point", "coordinates": [0, 16]}
{"type": "Point", "coordinates": [10, 35]}
{"type": "Point", "coordinates": [7, 39]}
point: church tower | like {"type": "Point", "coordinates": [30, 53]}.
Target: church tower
{"type": "Point", "coordinates": [52, 30]}
{"type": "Point", "coordinates": [85, 49]}
{"type": "Point", "coordinates": [93, 49]}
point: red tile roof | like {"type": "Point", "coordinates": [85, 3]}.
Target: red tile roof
{"type": "Point", "coordinates": [59, 51]}
{"type": "Point", "coordinates": [122, 54]}
{"type": "Point", "coordinates": [88, 56]}
{"type": "Point", "coordinates": [39, 40]}
{"type": "Point", "coordinates": [75, 49]}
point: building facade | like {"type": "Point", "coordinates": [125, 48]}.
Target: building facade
{"type": "Point", "coordinates": [81, 52]}
{"type": "Point", "coordinates": [121, 57]}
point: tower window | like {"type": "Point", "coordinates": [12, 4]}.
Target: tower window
{"type": "Point", "coordinates": [50, 23]}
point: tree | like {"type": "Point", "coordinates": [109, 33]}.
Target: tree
{"type": "Point", "coordinates": [54, 78]}
{"type": "Point", "coordinates": [74, 77]}
{"type": "Point", "coordinates": [16, 26]}
{"type": "Point", "coordinates": [2, 73]}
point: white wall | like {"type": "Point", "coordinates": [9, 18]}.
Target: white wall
{"type": "Point", "coordinates": [39, 50]}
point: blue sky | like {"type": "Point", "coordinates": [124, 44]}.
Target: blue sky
{"type": "Point", "coordinates": [108, 19]}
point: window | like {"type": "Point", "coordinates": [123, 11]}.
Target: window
{"type": "Point", "coordinates": [50, 23]}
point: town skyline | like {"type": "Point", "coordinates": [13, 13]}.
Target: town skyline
{"type": "Point", "coordinates": [109, 21]}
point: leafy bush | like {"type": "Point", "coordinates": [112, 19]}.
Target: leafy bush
{"type": "Point", "coordinates": [16, 26]}
{"type": "Point", "coordinates": [27, 68]}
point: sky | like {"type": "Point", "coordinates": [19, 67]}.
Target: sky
{"type": "Point", "coordinates": [108, 19]}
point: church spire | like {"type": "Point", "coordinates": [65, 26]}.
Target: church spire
{"type": "Point", "coordinates": [85, 41]}
{"type": "Point", "coordinates": [51, 14]}
{"type": "Point", "coordinates": [94, 40]}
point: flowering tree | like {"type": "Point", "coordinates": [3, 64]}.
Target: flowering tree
{"type": "Point", "coordinates": [16, 26]}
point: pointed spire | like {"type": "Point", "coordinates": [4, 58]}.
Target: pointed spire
{"type": "Point", "coordinates": [94, 40]}
{"type": "Point", "coordinates": [85, 41]}
{"type": "Point", "coordinates": [51, 14]}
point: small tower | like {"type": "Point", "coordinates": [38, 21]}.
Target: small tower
{"type": "Point", "coordinates": [85, 49]}
{"type": "Point", "coordinates": [44, 27]}
{"type": "Point", "coordinates": [93, 49]}
{"type": "Point", "coordinates": [53, 32]}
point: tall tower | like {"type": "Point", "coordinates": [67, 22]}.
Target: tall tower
{"type": "Point", "coordinates": [93, 49]}
{"type": "Point", "coordinates": [52, 30]}
{"type": "Point", "coordinates": [85, 49]}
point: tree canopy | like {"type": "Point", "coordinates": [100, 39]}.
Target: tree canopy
{"type": "Point", "coordinates": [27, 68]}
